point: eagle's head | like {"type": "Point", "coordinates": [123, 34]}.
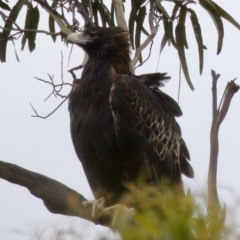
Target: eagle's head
{"type": "Point", "coordinates": [100, 41]}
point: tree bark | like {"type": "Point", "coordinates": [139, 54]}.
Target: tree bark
{"type": "Point", "coordinates": [57, 197]}
{"type": "Point", "coordinates": [218, 116]}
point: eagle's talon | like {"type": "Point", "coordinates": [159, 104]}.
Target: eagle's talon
{"type": "Point", "coordinates": [120, 214]}
{"type": "Point", "coordinates": [97, 205]}
{"type": "Point", "coordinates": [86, 203]}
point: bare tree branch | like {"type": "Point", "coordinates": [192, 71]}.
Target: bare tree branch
{"type": "Point", "coordinates": [212, 171]}
{"type": "Point", "coordinates": [20, 31]}
{"type": "Point", "coordinates": [180, 81]}
{"type": "Point", "coordinates": [214, 92]}
{"type": "Point", "coordinates": [149, 55]}
{"type": "Point", "coordinates": [44, 117]}
{"type": "Point", "coordinates": [218, 117]}
{"type": "Point", "coordinates": [74, 69]}
{"type": "Point", "coordinates": [57, 197]}
{"type": "Point", "coordinates": [118, 6]}
{"type": "Point", "coordinates": [83, 13]}
{"type": "Point", "coordinates": [55, 91]}
{"type": "Point", "coordinates": [229, 92]}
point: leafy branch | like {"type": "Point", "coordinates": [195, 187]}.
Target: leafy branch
{"type": "Point", "coordinates": [94, 11]}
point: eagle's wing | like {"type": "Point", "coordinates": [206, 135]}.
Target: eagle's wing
{"type": "Point", "coordinates": [147, 133]}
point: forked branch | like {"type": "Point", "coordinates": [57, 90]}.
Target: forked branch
{"type": "Point", "coordinates": [218, 116]}
{"type": "Point", "coordinates": [52, 112]}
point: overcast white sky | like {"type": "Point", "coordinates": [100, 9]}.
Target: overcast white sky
{"type": "Point", "coordinates": [45, 146]}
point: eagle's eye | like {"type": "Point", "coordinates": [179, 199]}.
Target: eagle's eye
{"type": "Point", "coordinates": [93, 36]}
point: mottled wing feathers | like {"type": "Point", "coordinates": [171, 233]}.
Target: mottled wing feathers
{"type": "Point", "coordinates": [186, 167]}
{"type": "Point", "coordinates": [153, 80]}
{"type": "Point", "coordinates": [156, 80]}
{"type": "Point", "coordinates": [144, 129]}
{"type": "Point", "coordinates": [169, 103]}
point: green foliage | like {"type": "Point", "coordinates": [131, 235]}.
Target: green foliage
{"type": "Point", "coordinates": [100, 14]}
{"type": "Point", "coordinates": [51, 22]}
{"type": "Point", "coordinates": [4, 6]}
{"type": "Point", "coordinates": [168, 215]}
{"type": "Point", "coordinates": [180, 9]}
{"type": "Point", "coordinates": [181, 41]}
{"type": "Point", "coordinates": [216, 17]}
{"type": "Point", "coordinates": [7, 28]}
{"type": "Point", "coordinates": [140, 20]}
{"type": "Point", "coordinates": [31, 23]}
{"type": "Point", "coordinates": [198, 35]}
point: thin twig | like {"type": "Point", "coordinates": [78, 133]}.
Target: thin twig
{"type": "Point", "coordinates": [55, 85]}
{"type": "Point", "coordinates": [20, 30]}
{"type": "Point", "coordinates": [229, 92]}
{"type": "Point", "coordinates": [11, 36]}
{"type": "Point", "coordinates": [148, 40]}
{"type": "Point", "coordinates": [74, 69]}
{"type": "Point", "coordinates": [58, 91]}
{"type": "Point", "coordinates": [83, 13]}
{"type": "Point", "coordinates": [214, 91]}
{"type": "Point", "coordinates": [8, 18]}
{"type": "Point", "coordinates": [70, 54]}
{"type": "Point", "coordinates": [149, 54]}
{"type": "Point", "coordinates": [55, 91]}
{"type": "Point", "coordinates": [44, 117]}
{"type": "Point", "coordinates": [180, 78]}
{"type": "Point", "coordinates": [62, 67]}
{"type": "Point", "coordinates": [220, 104]}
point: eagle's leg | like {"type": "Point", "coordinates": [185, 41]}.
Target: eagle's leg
{"type": "Point", "coordinates": [120, 215]}
{"type": "Point", "coordinates": [97, 205]}
{"type": "Point", "coordinates": [119, 212]}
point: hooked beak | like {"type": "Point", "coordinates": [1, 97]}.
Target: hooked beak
{"type": "Point", "coordinates": [78, 38]}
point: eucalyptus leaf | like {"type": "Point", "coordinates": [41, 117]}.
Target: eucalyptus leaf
{"type": "Point", "coordinates": [181, 43]}
{"type": "Point", "coordinates": [198, 36]}
{"type": "Point", "coordinates": [34, 26]}
{"type": "Point", "coordinates": [225, 15]}
{"type": "Point", "coordinates": [131, 25]}
{"type": "Point", "coordinates": [27, 25]}
{"type": "Point", "coordinates": [8, 25]}
{"type": "Point", "coordinates": [4, 6]}
{"type": "Point", "coordinates": [170, 25]}
{"type": "Point", "coordinates": [163, 42]}
{"type": "Point", "coordinates": [107, 16]}
{"type": "Point", "coordinates": [102, 15]}
{"type": "Point", "coordinates": [94, 6]}
{"type": "Point", "coordinates": [145, 31]}
{"type": "Point", "coordinates": [216, 17]}
{"type": "Point", "coordinates": [31, 23]}
{"type": "Point", "coordinates": [112, 13]}
{"type": "Point", "coordinates": [162, 10]}
{"type": "Point", "coordinates": [139, 19]}
{"type": "Point", "coordinates": [51, 22]}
